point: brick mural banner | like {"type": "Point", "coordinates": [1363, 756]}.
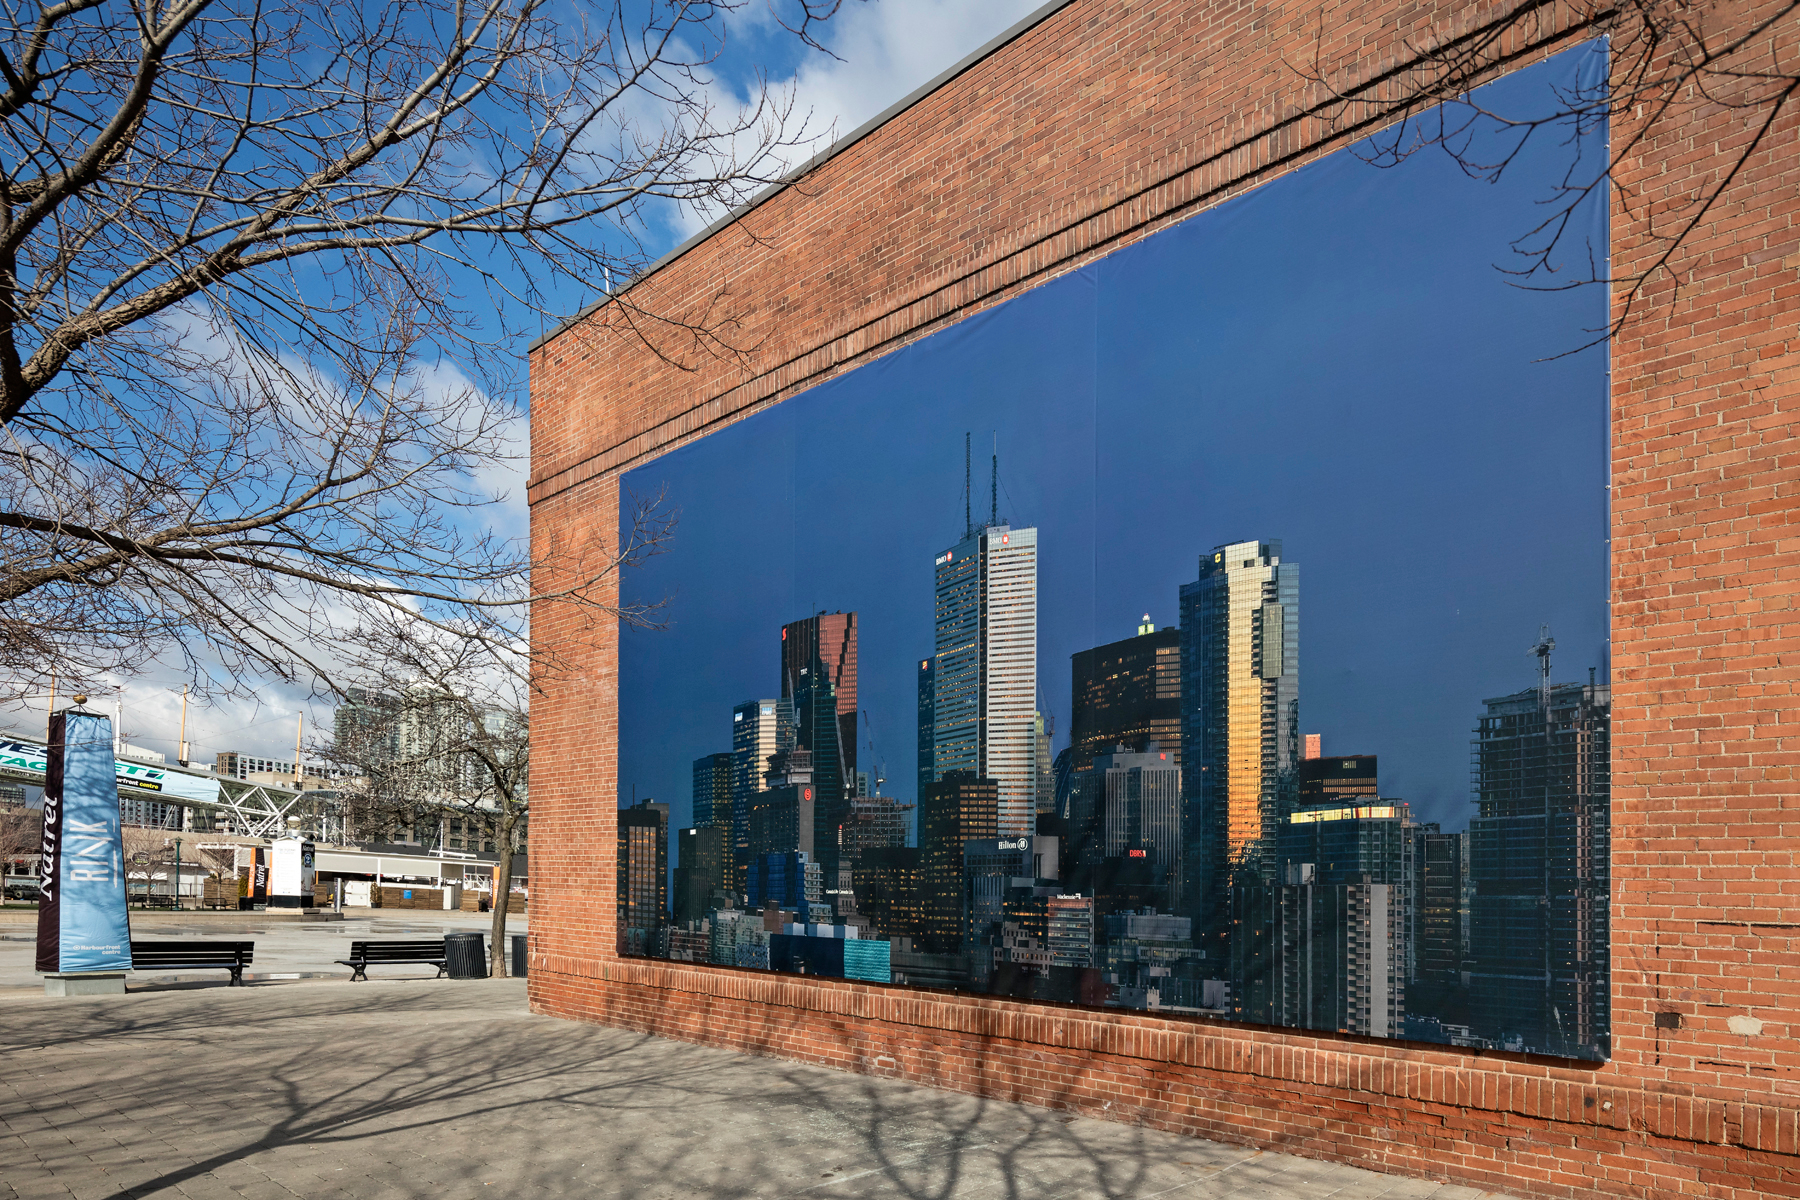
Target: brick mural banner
{"type": "Point", "coordinates": [1219, 630]}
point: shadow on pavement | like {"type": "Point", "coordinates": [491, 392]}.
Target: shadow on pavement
{"type": "Point", "coordinates": [427, 1085]}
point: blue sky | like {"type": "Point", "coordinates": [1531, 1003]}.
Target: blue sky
{"type": "Point", "coordinates": [1332, 360]}
{"type": "Point", "coordinates": [879, 52]}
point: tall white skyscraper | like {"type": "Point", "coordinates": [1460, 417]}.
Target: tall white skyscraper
{"type": "Point", "coordinates": [985, 679]}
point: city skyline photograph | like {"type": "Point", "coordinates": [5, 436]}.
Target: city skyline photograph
{"type": "Point", "coordinates": [1317, 444]}
{"type": "Point", "coordinates": [1436, 472]}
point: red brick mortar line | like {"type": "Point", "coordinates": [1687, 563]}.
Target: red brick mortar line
{"type": "Point", "coordinates": [1425, 1078]}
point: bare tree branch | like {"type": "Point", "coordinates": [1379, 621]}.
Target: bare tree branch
{"type": "Point", "coordinates": [249, 385]}
{"type": "Point", "coordinates": [1666, 68]}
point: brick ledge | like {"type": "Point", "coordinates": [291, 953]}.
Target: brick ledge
{"type": "Point", "coordinates": [1408, 1072]}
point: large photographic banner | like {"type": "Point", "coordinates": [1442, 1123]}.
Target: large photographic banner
{"type": "Point", "coordinates": [1219, 629]}
{"type": "Point", "coordinates": [82, 920]}
{"type": "Point", "coordinates": [177, 785]}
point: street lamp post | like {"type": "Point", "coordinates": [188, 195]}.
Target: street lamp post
{"type": "Point", "coordinates": [177, 874]}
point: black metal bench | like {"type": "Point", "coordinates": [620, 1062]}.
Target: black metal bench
{"type": "Point", "coordinates": [428, 952]}
{"type": "Point", "coordinates": [191, 956]}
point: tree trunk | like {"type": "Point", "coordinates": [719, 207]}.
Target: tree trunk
{"type": "Point", "coordinates": [497, 956]}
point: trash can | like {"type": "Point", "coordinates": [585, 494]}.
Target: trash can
{"type": "Point", "coordinates": [464, 956]}
{"type": "Point", "coordinates": [518, 956]}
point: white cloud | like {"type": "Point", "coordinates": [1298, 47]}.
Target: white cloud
{"type": "Point", "coordinates": [149, 704]}
{"type": "Point", "coordinates": [884, 50]}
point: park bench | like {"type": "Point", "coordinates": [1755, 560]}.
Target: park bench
{"type": "Point", "coordinates": [191, 956]}
{"type": "Point", "coordinates": [428, 952]}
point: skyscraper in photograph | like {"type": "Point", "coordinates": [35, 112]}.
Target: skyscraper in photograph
{"type": "Point", "coordinates": [712, 790]}
{"type": "Point", "coordinates": [699, 871]}
{"type": "Point", "coordinates": [819, 677]}
{"type": "Point", "coordinates": [1240, 712]}
{"type": "Point", "coordinates": [872, 822]}
{"type": "Point", "coordinates": [1338, 780]}
{"type": "Point", "coordinates": [984, 698]}
{"type": "Point", "coordinates": [1439, 941]}
{"type": "Point", "coordinates": [643, 876]}
{"type": "Point", "coordinates": [1539, 849]}
{"type": "Point", "coordinates": [1316, 955]}
{"type": "Point", "coordinates": [826, 641]}
{"type": "Point", "coordinates": [818, 665]}
{"type": "Point", "coordinates": [886, 882]}
{"type": "Point", "coordinates": [927, 723]}
{"type": "Point", "coordinates": [782, 815]}
{"type": "Point", "coordinates": [990, 867]}
{"type": "Point", "coordinates": [956, 809]}
{"type": "Point", "coordinates": [759, 729]}
{"type": "Point", "coordinates": [1125, 827]}
{"type": "Point", "coordinates": [366, 728]}
{"type": "Point", "coordinates": [1127, 693]}
{"type": "Point", "coordinates": [1042, 729]}
{"type": "Point", "coordinates": [1327, 946]}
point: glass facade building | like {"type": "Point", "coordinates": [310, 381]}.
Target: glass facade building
{"type": "Point", "coordinates": [1240, 711]}
{"type": "Point", "coordinates": [1125, 812]}
{"type": "Point", "coordinates": [643, 876]}
{"type": "Point", "coordinates": [955, 810]}
{"type": "Point", "coordinates": [759, 729]}
{"type": "Point", "coordinates": [927, 723]}
{"type": "Point", "coordinates": [699, 871]}
{"type": "Point", "coordinates": [1340, 779]}
{"type": "Point", "coordinates": [1539, 848]}
{"type": "Point", "coordinates": [984, 693]}
{"type": "Point", "coordinates": [1126, 694]}
{"type": "Point", "coordinates": [818, 676]}
{"type": "Point", "coordinates": [712, 790]}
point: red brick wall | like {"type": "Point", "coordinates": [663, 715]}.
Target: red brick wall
{"type": "Point", "coordinates": [1101, 124]}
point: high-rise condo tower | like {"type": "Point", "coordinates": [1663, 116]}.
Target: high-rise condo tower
{"type": "Point", "coordinates": [1240, 712]}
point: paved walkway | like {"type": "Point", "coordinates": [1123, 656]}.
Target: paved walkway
{"type": "Point", "coordinates": [445, 1089]}
{"type": "Point", "coordinates": [286, 948]}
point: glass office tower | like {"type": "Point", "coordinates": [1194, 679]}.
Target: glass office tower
{"type": "Point", "coordinates": [1127, 693]}
{"type": "Point", "coordinates": [927, 723]}
{"type": "Point", "coordinates": [984, 702]}
{"type": "Point", "coordinates": [643, 873]}
{"type": "Point", "coordinates": [827, 643]}
{"type": "Point", "coordinates": [759, 729]}
{"type": "Point", "coordinates": [712, 790]}
{"type": "Point", "coordinates": [1240, 713]}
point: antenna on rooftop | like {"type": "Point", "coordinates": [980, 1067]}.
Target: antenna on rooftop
{"type": "Point", "coordinates": [1542, 648]}
{"type": "Point", "coordinates": [968, 514]}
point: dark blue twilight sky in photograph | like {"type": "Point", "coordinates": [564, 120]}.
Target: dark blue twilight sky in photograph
{"type": "Point", "coordinates": [1331, 360]}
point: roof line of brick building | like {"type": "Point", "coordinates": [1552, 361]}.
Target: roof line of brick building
{"type": "Point", "coordinates": [1024, 25]}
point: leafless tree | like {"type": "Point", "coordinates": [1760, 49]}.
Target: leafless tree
{"type": "Point", "coordinates": [255, 261]}
{"type": "Point", "coordinates": [1671, 67]}
{"type": "Point", "coordinates": [145, 854]}
{"type": "Point", "coordinates": [21, 838]}
{"type": "Point", "coordinates": [439, 731]}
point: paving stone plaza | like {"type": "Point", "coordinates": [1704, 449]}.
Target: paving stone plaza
{"type": "Point", "coordinates": [422, 1087]}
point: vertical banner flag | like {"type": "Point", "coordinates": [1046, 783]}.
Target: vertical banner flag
{"type": "Point", "coordinates": [82, 922]}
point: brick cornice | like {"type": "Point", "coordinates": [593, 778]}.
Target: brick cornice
{"type": "Point", "coordinates": [1286, 135]}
